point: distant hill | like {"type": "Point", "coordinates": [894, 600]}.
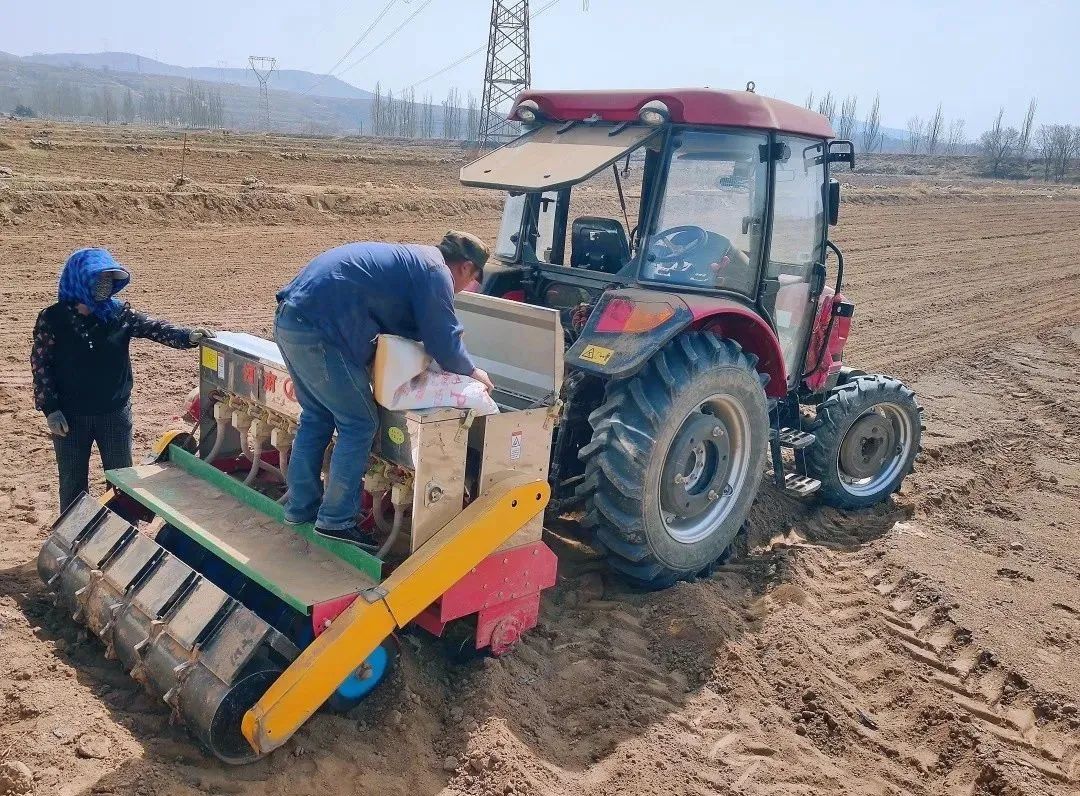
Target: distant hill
{"type": "Point", "coordinates": [282, 80]}
{"type": "Point", "coordinates": [125, 87]}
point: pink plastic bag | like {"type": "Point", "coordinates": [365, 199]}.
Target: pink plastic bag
{"type": "Point", "coordinates": [405, 377]}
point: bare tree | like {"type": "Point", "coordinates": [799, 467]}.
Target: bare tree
{"type": "Point", "coordinates": [934, 129]}
{"type": "Point", "coordinates": [127, 113]}
{"type": "Point", "coordinates": [409, 119]}
{"type": "Point", "coordinates": [998, 143]}
{"type": "Point", "coordinates": [108, 104]}
{"type": "Point", "coordinates": [452, 114]}
{"type": "Point", "coordinates": [378, 111]}
{"type": "Point", "coordinates": [427, 118]}
{"type": "Point", "coordinates": [915, 132]}
{"type": "Point", "coordinates": [827, 107]}
{"type": "Point", "coordinates": [1058, 144]}
{"type": "Point", "coordinates": [954, 141]}
{"type": "Point", "coordinates": [393, 114]}
{"type": "Point", "coordinates": [472, 119]}
{"type": "Point", "coordinates": [1025, 130]}
{"type": "Point", "coordinates": [847, 116]}
{"type": "Point", "coordinates": [809, 104]}
{"type": "Point", "coordinates": [871, 131]}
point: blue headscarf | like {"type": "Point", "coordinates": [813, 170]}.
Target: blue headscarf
{"type": "Point", "coordinates": [80, 275]}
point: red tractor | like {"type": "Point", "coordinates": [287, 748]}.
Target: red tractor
{"type": "Point", "coordinates": [683, 235]}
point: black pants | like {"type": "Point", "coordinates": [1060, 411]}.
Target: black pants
{"type": "Point", "coordinates": [111, 432]}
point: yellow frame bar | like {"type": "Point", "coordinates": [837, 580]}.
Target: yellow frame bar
{"type": "Point", "coordinates": [442, 561]}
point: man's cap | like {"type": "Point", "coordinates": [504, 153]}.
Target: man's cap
{"type": "Point", "coordinates": [461, 246]}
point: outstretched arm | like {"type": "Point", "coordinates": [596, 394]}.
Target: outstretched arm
{"type": "Point", "coordinates": [46, 398]}
{"type": "Point", "coordinates": [440, 329]}
{"type": "Point", "coordinates": [159, 331]}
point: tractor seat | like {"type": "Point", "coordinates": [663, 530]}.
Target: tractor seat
{"type": "Point", "coordinates": [599, 244]}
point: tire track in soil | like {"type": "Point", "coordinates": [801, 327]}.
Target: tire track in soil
{"type": "Point", "coordinates": [787, 672]}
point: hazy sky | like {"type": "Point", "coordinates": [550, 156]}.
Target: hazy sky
{"type": "Point", "coordinates": [973, 55]}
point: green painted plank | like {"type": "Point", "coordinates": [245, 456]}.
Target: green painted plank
{"type": "Point", "coordinates": [127, 480]}
{"type": "Point", "coordinates": [350, 554]}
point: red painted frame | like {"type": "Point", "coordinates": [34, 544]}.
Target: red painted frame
{"type": "Point", "coordinates": [833, 360]}
{"type": "Point", "coordinates": [504, 592]}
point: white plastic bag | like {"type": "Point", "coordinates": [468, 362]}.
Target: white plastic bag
{"type": "Point", "coordinates": [405, 377]}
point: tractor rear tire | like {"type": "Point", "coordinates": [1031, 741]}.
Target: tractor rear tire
{"type": "Point", "coordinates": [676, 459]}
{"type": "Point", "coordinates": [867, 433]}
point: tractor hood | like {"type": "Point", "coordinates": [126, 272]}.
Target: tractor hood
{"type": "Point", "coordinates": [546, 159]}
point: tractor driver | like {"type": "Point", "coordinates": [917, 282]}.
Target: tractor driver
{"type": "Point", "coordinates": [327, 320]}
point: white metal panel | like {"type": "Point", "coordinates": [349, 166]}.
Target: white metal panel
{"type": "Point", "coordinates": [519, 345]}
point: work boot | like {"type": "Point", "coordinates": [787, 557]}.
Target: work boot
{"type": "Point", "coordinates": [354, 536]}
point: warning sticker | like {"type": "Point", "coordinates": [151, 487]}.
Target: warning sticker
{"type": "Point", "coordinates": [396, 435]}
{"type": "Point", "coordinates": [596, 354]}
{"type": "Point", "coordinates": [515, 446]}
{"type": "Point", "coordinates": [221, 368]}
{"type": "Point", "coordinates": [209, 358]}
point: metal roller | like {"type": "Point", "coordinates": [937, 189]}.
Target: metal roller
{"type": "Point", "coordinates": [179, 635]}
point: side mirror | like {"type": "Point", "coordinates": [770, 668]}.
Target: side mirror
{"type": "Point", "coordinates": [834, 201]}
{"type": "Point", "coordinates": [842, 151]}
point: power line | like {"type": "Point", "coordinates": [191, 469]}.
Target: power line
{"type": "Point", "coordinates": [479, 49]}
{"type": "Point", "coordinates": [447, 68]}
{"type": "Point", "coordinates": [330, 72]}
{"type": "Point", "coordinates": [389, 36]}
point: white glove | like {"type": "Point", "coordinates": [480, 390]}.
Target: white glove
{"type": "Point", "coordinates": [58, 424]}
{"type": "Point", "coordinates": [198, 334]}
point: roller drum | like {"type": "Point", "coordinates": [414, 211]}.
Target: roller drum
{"type": "Point", "coordinates": [179, 635]}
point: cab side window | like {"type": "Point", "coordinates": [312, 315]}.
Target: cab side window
{"type": "Point", "coordinates": [798, 243]}
{"type": "Point", "coordinates": [799, 203]}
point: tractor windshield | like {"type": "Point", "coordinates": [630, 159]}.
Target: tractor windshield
{"type": "Point", "coordinates": [708, 232]}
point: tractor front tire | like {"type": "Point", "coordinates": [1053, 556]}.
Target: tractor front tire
{"type": "Point", "coordinates": [867, 433]}
{"type": "Point", "coordinates": [676, 459]}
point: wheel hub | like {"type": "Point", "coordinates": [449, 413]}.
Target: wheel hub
{"type": "Point", "coordinates": [698, 464]}
{"type": "Point", "coordinates": [869, 445]}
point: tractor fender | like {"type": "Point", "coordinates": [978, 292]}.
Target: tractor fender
{"type": "Point", "coordinates": [620, 355]}
{"type": "Point", "coordinates": [734, 321]}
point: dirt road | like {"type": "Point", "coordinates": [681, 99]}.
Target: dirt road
{"type": "Point", "coordinates": [929, 646]}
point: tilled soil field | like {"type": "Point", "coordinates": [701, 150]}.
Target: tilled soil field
{"type": "Point", "coordinates": [928, 646]}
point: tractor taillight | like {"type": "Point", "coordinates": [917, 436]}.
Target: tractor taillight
{"type": "Point", "coordinates": [622, 315]}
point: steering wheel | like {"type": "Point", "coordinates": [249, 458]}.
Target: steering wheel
{"type": "Point", "coordinates": [681, 242]}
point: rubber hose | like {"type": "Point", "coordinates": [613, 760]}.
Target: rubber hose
{"type": "Point", "coordinates": [256, 460]}
{"type": "Point", "coordinates": [251, 454]}
{"type": "Point", "coordinates": [221, 431]}
{"type": "Point", "coordinates": [395, 531]}
{"type": "Point", "coordinates": [379, 514]}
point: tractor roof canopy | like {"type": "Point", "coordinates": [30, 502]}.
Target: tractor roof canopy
{"type": "Point", "coordinates": [704, 106]}
{"type": "Point", "coordinates": [545, 159]}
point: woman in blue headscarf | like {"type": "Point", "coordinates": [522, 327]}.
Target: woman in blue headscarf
{"type": "Point", "coordinates": [82, 365]}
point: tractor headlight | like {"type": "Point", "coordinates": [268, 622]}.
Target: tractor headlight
{"type": "Point", "coordinates": [528, 112]}
{"type": "Point", "coordinates": [654, 113]}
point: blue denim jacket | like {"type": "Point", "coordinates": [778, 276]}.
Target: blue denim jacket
{"type": "Point", "coordinates": [358, 291]}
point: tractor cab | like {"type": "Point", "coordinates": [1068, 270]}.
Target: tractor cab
{"type": "Point", "coordinates": [683, 236]}
{"type": "Point", "coordinates": [707, 193]}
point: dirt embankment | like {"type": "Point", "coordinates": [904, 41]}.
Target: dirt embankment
{"type": "Point", "coordinates": [62, 176]}
{"type": "Point", "coordinates": [929, 646]}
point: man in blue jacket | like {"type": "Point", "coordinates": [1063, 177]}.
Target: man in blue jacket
{"type": "Point", "coordinates": [327, 320]}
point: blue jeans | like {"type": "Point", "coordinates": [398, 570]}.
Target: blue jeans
{"type": "Point", "coordinates": [333, 393]}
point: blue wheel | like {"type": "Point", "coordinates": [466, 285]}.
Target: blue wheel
{"type": "Point", "coordinates": [364, 680]}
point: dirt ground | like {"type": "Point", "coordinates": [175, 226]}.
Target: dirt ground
{"type": "Point", "coordinates": [928, 646]}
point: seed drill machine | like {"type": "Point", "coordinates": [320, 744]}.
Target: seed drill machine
{"type": "Point", "coordinates": [648, 372]}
